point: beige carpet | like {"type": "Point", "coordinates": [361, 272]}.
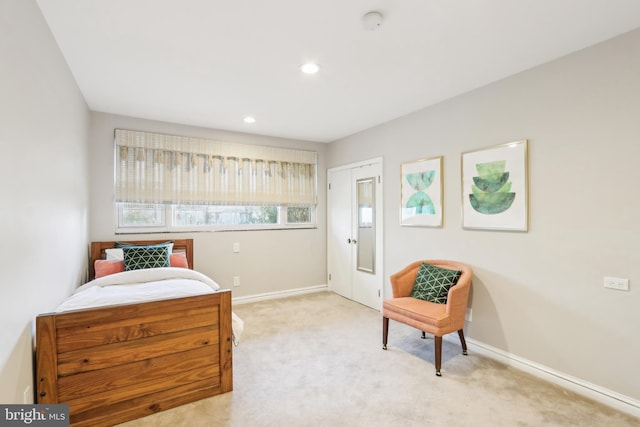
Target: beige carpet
{"type": "Point", "coordinates": [317, 360]}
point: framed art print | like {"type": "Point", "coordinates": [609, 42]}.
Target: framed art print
{"type": "Point", "coordinates": [421, 193]}
{"type": "Point", "coordinates": [495, 188]}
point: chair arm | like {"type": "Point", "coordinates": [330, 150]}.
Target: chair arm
{"type": "Point", "coordinates": [458, 298]}
{"type": "Point", "coordinates": [402, 281]}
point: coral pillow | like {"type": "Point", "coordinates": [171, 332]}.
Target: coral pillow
{"type": "Point", "coordinates": [105, 267]}
{"type": "Point", "coordinates": [179, 259]}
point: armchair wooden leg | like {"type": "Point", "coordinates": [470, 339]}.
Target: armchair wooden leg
{"type": "Point", "coordinates": [463, 342]}
{"type": "Point", "coordinates": [438, 352]}
{"type": "Point", "coordinates": [424, 335]}
{"type": "Point", "coordinates": [385, 332]}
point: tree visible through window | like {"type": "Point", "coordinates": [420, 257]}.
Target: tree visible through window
{"type": "Point", "coordinates": [298, 215]}
{"type": "Point", "coordinates": [190, 215]}
{"type": "Point", "coordinates": [140, 215]}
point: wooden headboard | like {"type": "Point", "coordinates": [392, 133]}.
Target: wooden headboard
{"type": "Point", "coordinates": [98, 250]}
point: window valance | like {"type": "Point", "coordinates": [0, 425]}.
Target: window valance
{"type": "Point", "coordinates": [158, 168]}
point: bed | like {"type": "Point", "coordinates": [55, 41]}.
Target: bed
{"type": "Point", "coordinates": [119, 362]}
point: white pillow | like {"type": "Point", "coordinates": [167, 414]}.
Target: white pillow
{"type": "Point", "coordinates": [115, 254]}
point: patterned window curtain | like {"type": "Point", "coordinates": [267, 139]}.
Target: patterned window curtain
{"type": "Point", "coordinates": [157, 168]}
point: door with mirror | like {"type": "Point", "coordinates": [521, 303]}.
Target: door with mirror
{"type": "Point", "coordinates": [355, 232]}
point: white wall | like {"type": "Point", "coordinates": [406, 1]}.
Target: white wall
{"type": "Point", "coordinates": [268, 261]}
{"type": "Point", "coordinates": [43, 220]}
{"type": "Point", "coordinates": [538, 295]}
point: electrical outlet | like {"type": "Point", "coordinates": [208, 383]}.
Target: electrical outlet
{"type": "Point", "coordinates": [236, 280]}
{"type": "Point", "coordinates": [468, 314]}
{"type": "Point", "coordinates": [27, 396]}
{"type": "Point", "coordinates": [236, 247]}
{"type": "Point", "coordinates": [617, 283]}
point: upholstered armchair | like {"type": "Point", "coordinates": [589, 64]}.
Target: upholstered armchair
{"type": "Point", "coordinates": [434, 318]}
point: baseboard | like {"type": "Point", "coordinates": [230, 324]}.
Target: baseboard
{"type": "Point", "coordinates": [280, 294]}
{"type": "Point", "coordinates": [600, 394]}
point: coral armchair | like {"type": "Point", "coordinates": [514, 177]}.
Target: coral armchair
{"type": "Point", "coordinates": [436, 319]}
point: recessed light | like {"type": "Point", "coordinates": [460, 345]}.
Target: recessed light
{"type": "Point", "coordinates": [249, 119]}
{"type": "Point", "coordinates": [310, 68]}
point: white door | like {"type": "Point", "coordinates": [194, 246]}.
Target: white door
{"type": "Point", "coordinates": [339, 232]}
{"type": "Point", "coordinates": [355, 232]}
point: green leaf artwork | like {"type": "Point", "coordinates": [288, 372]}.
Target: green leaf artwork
{"type": "Point", "coordinates": [420, 201]}
{"type": "Point", "coordinates": [491, 183]}
{"type": "Point", "coordinates": [421, 180]}
{"type": "Point", "coordinates": [491, 191]}
{"type": "Point", "coordinates": [422, 204]}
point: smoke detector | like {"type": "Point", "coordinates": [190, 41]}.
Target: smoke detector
{"type": "Point", "coordinates": [372, 20]}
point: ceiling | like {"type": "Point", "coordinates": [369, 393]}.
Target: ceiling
{"type": "Point", "coordinates": [212, 62]}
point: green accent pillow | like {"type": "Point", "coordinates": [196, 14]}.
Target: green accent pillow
{"type": "Point", "coordinates": [140, 257]}
{"type": "Point", "coordinates": [433, 283]}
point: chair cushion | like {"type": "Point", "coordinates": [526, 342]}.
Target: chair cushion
{"type": "Point", "coordinates": [424, 315]}
{"type": "Point", "coordinates": [433, 283]}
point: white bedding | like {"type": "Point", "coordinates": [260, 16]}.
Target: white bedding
{"type": "Point", "coordinates": [145, 285]}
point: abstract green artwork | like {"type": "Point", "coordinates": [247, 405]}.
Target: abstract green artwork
{"type": "Point", "coordinates": [420, 201]}
{"type": "Point", "coordinates": [491, 188]}
{"type": "Point", "coordinates": [421, 193]}
{"type": "Point", "coordinates": [495, 187]}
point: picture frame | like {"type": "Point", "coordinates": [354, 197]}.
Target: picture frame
{"type": "Point", "coordinates": [495, 187]}
{"type": "Point", "coordinates": [421, 193]}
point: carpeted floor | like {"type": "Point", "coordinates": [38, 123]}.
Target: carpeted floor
{"type": "Point", "coordinates": [317, 360]}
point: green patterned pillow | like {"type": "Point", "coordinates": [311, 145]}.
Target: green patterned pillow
{"type": "Point", "coordinates": [139, 257]}
{"type": "Point", "coordinates": [433, 283]}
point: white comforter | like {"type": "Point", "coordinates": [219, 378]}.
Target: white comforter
{"type": "Point", "coordinates": [145, 285]}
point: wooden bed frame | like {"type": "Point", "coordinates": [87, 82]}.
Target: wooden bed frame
{"type": "Point", "coordinates": [117, 363]}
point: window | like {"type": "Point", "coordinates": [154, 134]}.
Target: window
{"type": "Point", "coordinates": [135, 217]}
{"type": "Point", "coordinates": [140, 215]}
{"type": "Point", "coordinates": [299, 215]}
{"type": "Point", "coordinates": [171, 183]}
{"type": "Point", "coordinates": [199, 215]}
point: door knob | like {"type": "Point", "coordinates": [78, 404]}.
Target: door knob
{"type": "Point", "coordinates": [354, 241]}
{"type": "Point", "coordinates": [348, 240]}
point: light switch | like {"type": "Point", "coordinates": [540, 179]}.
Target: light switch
{"type": "Point", "coordinates": [616, 283]}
